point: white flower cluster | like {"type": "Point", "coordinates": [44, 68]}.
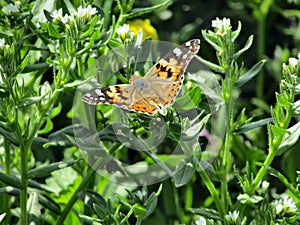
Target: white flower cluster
{"type": "Point", "coordinates": [11, 9]}
{"type": "Point", "coordinates": [294, 61]}
{"type": "Point", "coordinates": [285, 206]}
{"type": "Point", "coordinates": [232, 216]}
{"type": "Point", "coordinates": [80, 13]}
{"type": "Point", "coordinates": [222, 26]}
{"type": "Point", "coordinates": [124, 32]}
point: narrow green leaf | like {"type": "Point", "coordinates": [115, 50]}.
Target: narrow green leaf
{"type": "Point", "coordinates": [277, 131]}
{"type": "Point", "coordinates": [211, 65]}
{"type": "Point", "coordinates": [250, 74]}
{"type": "Point", "coordinates": [49, 203]}
{"type": "Point", "coordinates": [7, 133]}
{"type": "Point", "coordinates": [11, 180]}
{"type": "Point", "coordinates": [194, 128]}
{"type": "Point", "coordinates": [76, 83]}
{"type": "Point", "coordinates": [48, 15]}
{"type": "Point", "coordinates": [284, 180]}
{"type": "Point", "coordinates": [89, 220]}
{"type": "Point", "coordinates": [46, 170]}
{"type": "Point", "coordinates": [253, 125]}
{"type": "Point", "coordinates": [290, 138]}
{"type": "Point", "coordinates": [141, 11]}
{"type": "Point", "coordinates": [29, 101]}
{"type": "Point", "coordinates": [236, 33]}
{"type": "Point", "coordinates": [282, 101]}
{"type": "Point", "coordinates": [89, 46]}
{"type": "Point", "coordinates": [187, 170]}
{"type": "Point", "coordinates": [207, 213]}
{"type": "Point", "coordinates": [212, 39]}
{"type": "Point", "coordinates": [245, 48]}
{"type": "Point", "coordinates": [53, 32]}
{"type": "Point", "coordinates": [21, 67]}
{"type": "Point", "coordinates": [36, 67]}
{"type": "Point", "coordinates": [56, 110]}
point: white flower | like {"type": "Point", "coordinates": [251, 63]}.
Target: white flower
{"type": "Point", "coordinates": [123, 29]}
{"type": "Point", "coordinates": [221, 26]}
{"type": "Point", "coordinates": [200, 221]}
{"type": "Point", "coordinates": [10, 9]}
{"type": "Point", "coordinates": [2, 42]}
{"type": "Point", "coordinates": [265, 184]}
{"type": "Point", "coordinates": [293, 61]}
{"type": "Point", "coordinates": [232, 216]}
{"type": "Point", "coordinates": [86, 12]}
{"type": "Point", "coordinates": [58, 15]}
{"type": "Point", "coordinates": [285, 205]}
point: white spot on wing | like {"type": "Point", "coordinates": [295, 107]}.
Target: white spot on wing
{"type": "Point", "coordinates": [177, 52]}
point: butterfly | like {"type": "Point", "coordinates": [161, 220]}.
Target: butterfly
{"type": "Point", "coordinates": [156, 90]}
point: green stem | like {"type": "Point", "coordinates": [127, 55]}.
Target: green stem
{"type": "Point", "coordinates": [261, 173]}
{"type": "Point", "coordinates": [211, 188]}
{"type": "Point", "coordinates": [5, 203]}
{"type": "Point", "coordinates": [24, 179]}
{"type": "Point", "coordinates": [225, 152]}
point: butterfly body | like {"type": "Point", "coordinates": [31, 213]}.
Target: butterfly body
{"type": "Point", "coordinates": [157, 89]}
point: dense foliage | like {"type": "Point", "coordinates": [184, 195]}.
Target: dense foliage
{"type": "Point", "coordinates": [227, 151]}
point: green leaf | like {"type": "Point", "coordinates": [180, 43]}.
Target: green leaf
{"type": "Point", "coordinates": [282, 101]}
{"type": "Point", "coordinates": [7, 132]}
{"type": "Point", "coordinates": [187, 170]}
{"type": "Point", "coordinates": [277, 131]}
{"type": "Point", "coordinates": [141, 11]}
{"type": "Point", "coordinates": [47, 128]}
{"type": "Point", "coordinates": [211, 65]}
{"type": "Point", "coordinates": [76, 83]}
{"type": "Point", "coordinates": [212, 39]}
{"type": "Point", "coordinates": [189, 101]}
{"type": "Point", "coordinates": [253, 125]}
{"type": "Point", "coordinates": [56, 110]}
{"type": "Point", "coordinates": [290, 138]}
{"type": "Point", "coordinates": [53, 32]}
{"type": "Point", "coordinates": [284, 180]}
{"type": "Point", "coordinates": [48, 15]}
{"type": "Point", "coordinates": [207, 213]}
{"type": "Point", "coordinates": [61, 180]}
{"type": "Point", "coordinates": [29, 101]}
{"type": "Point", "coordinates": [89, 220]}
{"type": "Point", "coordinates": [236, 33]}
{"type": "Point", "coordinates": [193, 128]}
{"type": "Point", "coordinates": [245, 48]}
{"type": "Point", "coordinates": [46, 170]}
{"type": "Point", "coordinates": [49, 203]}
{"type": "Point", "coordinates": [250, 74]}
{"type": "Point", "coordinates": [36, 67]}
{"type": "Point", "coordinates": [21, 67]}
{"type": "Point", "coordinates": [88, 47]}
{"type": "Point", "coordinates": [11, 180]}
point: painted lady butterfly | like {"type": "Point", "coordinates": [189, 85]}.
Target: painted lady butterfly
{"type": "Point", "coordinates": [156, 90]}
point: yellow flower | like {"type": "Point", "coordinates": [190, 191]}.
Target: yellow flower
{"type": "Point", "coordinates": [145, 26]}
